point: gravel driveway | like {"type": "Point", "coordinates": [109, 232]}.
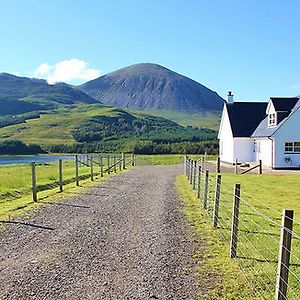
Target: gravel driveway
{"type": "Point", "coordinates": [123, 239]}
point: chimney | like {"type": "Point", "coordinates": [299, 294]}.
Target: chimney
{"type": "Point", "coordinates": [230, 98]}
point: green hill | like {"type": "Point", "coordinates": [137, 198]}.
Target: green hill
{"type": "Point", "coordinates": [21, 95]}
{"type": "Point", "coordinates": [103, 128]}
{"type": "Point", "coordinates": [206, 119]}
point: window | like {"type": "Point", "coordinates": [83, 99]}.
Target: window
{"type": "Point", "coordinates": [272, 119]}
{"type": "Point", "coordinates": [288, 147]}
{"type": "Point", "coordinates": [297, 147]}
{"type": "Point", "coordinates": [292, 147]}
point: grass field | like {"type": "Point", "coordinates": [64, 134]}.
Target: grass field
{"type": "Point", "coordinates": [261, 202]}
{"type": "Point", "coordinates": [167, 159]}
{"type": "Point", "coordinates": [15, 184]}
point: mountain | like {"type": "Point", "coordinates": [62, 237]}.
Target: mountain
{"type": "Point", "coordinates": [20, 95]}
{"type": "Point", "coordinates": [151, 86]}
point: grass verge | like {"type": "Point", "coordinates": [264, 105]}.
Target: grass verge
{"type": "Point", "coordinates": [220, 275]}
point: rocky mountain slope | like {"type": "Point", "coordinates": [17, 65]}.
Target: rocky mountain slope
{"type": "Point", "coordinates": [151, 86]}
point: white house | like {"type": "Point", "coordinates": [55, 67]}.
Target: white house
{"type": "Point", "coordinates": [253, 131]}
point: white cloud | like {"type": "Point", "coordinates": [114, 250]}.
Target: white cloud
{"type": "Point", "coordinates": [66, 71]}
{"type": "Point", "coordinates": [43, 69]}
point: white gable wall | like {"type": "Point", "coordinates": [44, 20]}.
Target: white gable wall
{"type": "Point", "coordinates": [243, 150]}
{"type": "Point", "coordinates": [288, 132]}
{"type": "Point", "coordinates": [225, 138]}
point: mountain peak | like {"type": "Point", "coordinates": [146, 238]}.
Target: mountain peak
{"type": "Point", "coordinates": [152, 86]}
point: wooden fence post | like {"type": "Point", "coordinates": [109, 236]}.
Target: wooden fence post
{"type": "Point", "coordinates": [120, 163]}
{"type": "Point", "coordinates": [236, 166]}
{"type": "Point", "coordinates": [260, 166]}
{"type": "Point", "coordinates": [108, 164]}
{"type": "Point", "coordinates": [194, 175]}
{"type": "Point", "coordinates": [115, 166]}
{"type": "Point", "coordinates": [191, 171]}
{"type": "Point", "coordinates": [284, 255]}
{"type": "Point", "coordinates": [199, 182]}
{"type": "Point", "coordinates": [33, 177]}
{"type": "Point", "coordinates": [92, 168]}
{"type": "Point", "coordinates": [202, 163]}
{"type": "Point", "coordinates": [76, 170]}
{"type": "Point", "coordinates": [132, 160]}
{"type": "Point", "coordinates": [218, 165]}
{"type": "Point", "coordinates": [217, 202]}
{"type": "Point", "coordinates": [205, 198]}
{"type": "Point", "coordinates": [101, 166]}
{"type": "Point", "coordinates": [235, 220]}
{"type": "Point", "coordinates": [123, 161]}
{"type": "Point", "coordinates": [60, 174]}
{"type": "Point", "coordinates": [188, 168]}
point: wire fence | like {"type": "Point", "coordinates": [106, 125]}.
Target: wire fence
{"type": "Point", "coordinates": [264, 242]}
{"type": "Point", "coordinates": [20, 185]}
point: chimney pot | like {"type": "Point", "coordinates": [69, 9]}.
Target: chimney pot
{"type": "Point", "coordinates": [230, 97]}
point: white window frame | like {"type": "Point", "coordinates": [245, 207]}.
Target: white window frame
{"type": "Point", "coordinates": [272, 119]}
{"type": "Point", "coordinates": [292, 146]}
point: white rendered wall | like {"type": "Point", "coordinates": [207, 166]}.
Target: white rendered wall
{"type": "Point", "coordinates": [225, 138]}
{"type": "Point", "coordinates": [243, 149]}
{"type": "Point", "coordinates": [288, 132]}
{"type": "Point", "coordinates": [264, 151]}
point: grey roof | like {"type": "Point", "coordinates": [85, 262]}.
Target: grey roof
{"type": "Point", "coordinates": [264, 131]}
{"type": "Point", "coordinates": [245, 117]}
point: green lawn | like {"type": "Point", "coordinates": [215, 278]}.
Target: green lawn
{"type": "Point", "coordinates": [262, 199]}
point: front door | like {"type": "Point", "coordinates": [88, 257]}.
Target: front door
{"type": "Point", "coordinates": [256, 151]}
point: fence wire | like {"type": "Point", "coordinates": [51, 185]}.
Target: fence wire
{"type": "Point", "coordinates": [258, 234]}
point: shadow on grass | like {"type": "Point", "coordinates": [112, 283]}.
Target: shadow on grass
{"type": "Point", "coordinates": [27, 224]}
{"type": "Point", "coordinates": [264, 260]}
{"type": "Point", "coordinates": [251, 231]}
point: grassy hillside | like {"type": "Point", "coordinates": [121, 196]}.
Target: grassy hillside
{"type": "Point", "coordinates": [96, 127]}
{"type": "Point", "coordinates": [56, 126]}
{"type": "Point", "coordinates": [22, 95]}
{"type": "Point", "coordinates": [207, 119]}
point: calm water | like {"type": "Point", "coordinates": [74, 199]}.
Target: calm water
{"type": "Point", "coordinates": [23, 159]}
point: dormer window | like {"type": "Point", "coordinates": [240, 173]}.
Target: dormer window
{"type": "Point", "coordinates": [272, 119]}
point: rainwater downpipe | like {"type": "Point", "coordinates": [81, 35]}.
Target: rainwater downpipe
{"type": "Point", "coordinates": [272, 151]}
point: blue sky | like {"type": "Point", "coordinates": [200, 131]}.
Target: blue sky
{"type": "Point", "coordinates": [251, 47]}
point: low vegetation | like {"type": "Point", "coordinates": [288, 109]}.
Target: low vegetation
{"type": "Point", "coordinates": [17, 147]}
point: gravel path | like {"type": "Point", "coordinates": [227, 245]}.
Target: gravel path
{"type": "Point", "coordinates": [122, 239]}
